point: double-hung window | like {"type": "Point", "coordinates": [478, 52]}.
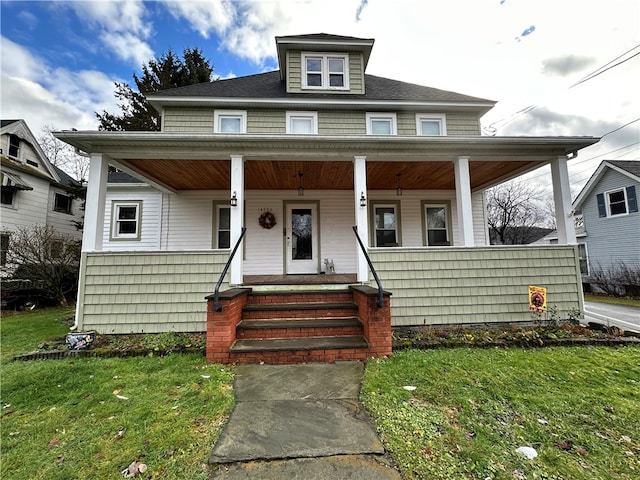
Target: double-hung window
{"type": "Point", "coordinates": [381, 123]}
{"type": "Point", "coordinates": [302, 122]}
{"type": "Point", "coordinates": [620, 201]}
{"type": "Point", "coordinates": [125, 220]}
{"type": "Point", "coordinates": [230, 121]}
{"type": "Point", "coordinates": [14, 147]}
{"type": "Point", "coordinates": [436, 224]}
{"type": "Point", "coordinates": [430, 125]}
{"type": "Point", "coordinates": [386, 225]}
{"type": "Point", "coordinates": [324, 71]}
{"type": "Point", "coordinates": [62, 203]}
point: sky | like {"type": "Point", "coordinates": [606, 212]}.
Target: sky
{"type": "Point", "coordinates": [555, 67]}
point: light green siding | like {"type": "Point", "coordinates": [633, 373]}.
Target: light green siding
{"type": "Point", "coordinates": [463, 124]}
{"type": "Point", "coordinates": [189, 120]}
{"type": "Point", "coordinates": [476, 285]}
{"type": "Point", "coordinates": [336, 122]}
{"type": "Point", "coordinates": [406, 123]}
{"type": "Point", "coordinates": [147, 292]}
{"type": "Point", "coordinates": [266, 121]}
{"type": "Point", "coordinates": [294, 74]}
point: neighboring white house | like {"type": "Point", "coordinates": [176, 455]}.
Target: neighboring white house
{"type": "Point", "coordinates": [34, 192]}
{"type": "Point", "coordinates": [610, 221]}
{"type": "Point", "coordinates": [299, 156]}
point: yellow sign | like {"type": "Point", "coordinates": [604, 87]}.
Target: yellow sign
{"type": "Point", "coordinates": [537, 299]}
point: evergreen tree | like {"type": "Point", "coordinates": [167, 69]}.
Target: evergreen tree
{"type": "Point", "coordinates": [168, 71]}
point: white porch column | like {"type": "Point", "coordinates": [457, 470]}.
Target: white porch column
{"type": "Point", "coordinates": [362, 221]}
{"type": "Point", "coordinates": [562, 201]}
{"type": "Point", "coordinates": [463, 201]}
{"type": "Point", "coordinates": [95, 203]}
{"type": "Point", "coordinates": [237, 216]}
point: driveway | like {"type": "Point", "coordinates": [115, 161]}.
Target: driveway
{"type": "Point", "coordinates": [622, 316]}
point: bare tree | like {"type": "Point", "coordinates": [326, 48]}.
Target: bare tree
{"type": "Point", "coordinates": [514, 212]}
{"type": "Point", "coordinates": [63, 155]}
{"type": "Point", "coordinates": [47, 259]}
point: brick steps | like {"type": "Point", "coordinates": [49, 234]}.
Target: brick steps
{"type": "Point", "coordinates": [309, 343]}
{"type": "Point", "coordinates": [298, 327]}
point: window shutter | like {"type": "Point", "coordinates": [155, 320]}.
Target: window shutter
{"type": "Point", "coordinates": [602, 209]}
{"type": "Point", "coordinates": [632, 199]}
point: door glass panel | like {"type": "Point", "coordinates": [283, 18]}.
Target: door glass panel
{"type": "Point", "coordinates": [301, 229]}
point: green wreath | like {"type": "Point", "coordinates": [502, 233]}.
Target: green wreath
{"type": "Point", "coordinates": [267, 220]}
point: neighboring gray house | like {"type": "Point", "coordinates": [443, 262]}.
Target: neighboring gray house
{"type": "Point", "coordinates": [609, 226]}
{"type": "Point", "coordinates": [34, 192]}
{"type": "Point", "coordinates": [313, 149]}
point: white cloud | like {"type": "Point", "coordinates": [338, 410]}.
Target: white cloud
{"type": "Point", "coordinates": [204, 16]}
{"type": "Point", "coordinates": [42, 95]}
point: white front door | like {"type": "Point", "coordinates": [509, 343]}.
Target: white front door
{"type": "Point", "coordinates": [301, 249]}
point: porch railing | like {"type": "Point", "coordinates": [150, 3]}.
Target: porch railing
{"type": "Point", "coordinates": [216, 293]}
{"type": "Point", "coordinates": [380, 302]}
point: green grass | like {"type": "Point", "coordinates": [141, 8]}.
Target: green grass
{"type": "Point", "coordinates": [632, 302]}
{"type": "Point", "coordinates": [62, 419]}
{"type": "Point", "coordinates": [472, 409]}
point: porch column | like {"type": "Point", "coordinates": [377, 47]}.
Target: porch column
{"type": "Point", "coordinates": [237, 216]}
{"type": "Point", "coordinates": [463, 201]}
{"type": "Point", "coordinates": [362, 221]}
{"type": "Point", "coordinates": [562, 201]}
{"type": "Point", "coordinates": [95, 203]}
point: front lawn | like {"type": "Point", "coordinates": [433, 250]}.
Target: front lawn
{"type": "Point", "coordinates": [472, 408]}
{"type": "Point", "coordinates": [90, 418]}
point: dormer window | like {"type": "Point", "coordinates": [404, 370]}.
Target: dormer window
{"type": "Point", "coordinates": [324, 71]}
{"type": "Point", "coordinates": [14, 147]}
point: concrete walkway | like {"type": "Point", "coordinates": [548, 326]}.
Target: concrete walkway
{"type": "Point", "coordinates": [299, 422]}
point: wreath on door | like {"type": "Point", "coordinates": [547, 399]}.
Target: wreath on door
{"type": "Point", "coordinates": [267, 220]}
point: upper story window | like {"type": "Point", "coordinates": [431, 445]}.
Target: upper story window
{"type": "Point", "coordinates": [620, 201]}
{"type": "Point", "coordinates": [381, 124]}
{"type": "Point", "coordinates": [302, 122]}
{"type": "Point", "coordinates": [62, 203]}
{"type": "Point", "coordinates": [14, 146]}
{"type": "Point", "coordinates": [230, 121]}
{"type": "Point", "coordinates": [431, 125]}
{"type": "Point", "coordinates": [325, 71]}
{"type": "Point", "coordinates": [125, 220]}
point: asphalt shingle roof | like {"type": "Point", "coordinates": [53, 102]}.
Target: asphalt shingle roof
{"type": "Point", "coordinates": [631, 166]}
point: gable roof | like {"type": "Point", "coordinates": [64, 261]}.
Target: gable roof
{"type": "Point", "coordinates": [629, 168]}
{"type": "Point", "coordinates": [268, 86]}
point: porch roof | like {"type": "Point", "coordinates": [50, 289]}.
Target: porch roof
{"type": "Point", "coordinates": [185, 161]}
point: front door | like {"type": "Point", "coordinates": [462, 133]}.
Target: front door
{"type": "Point", "coordinates": [301, 249]}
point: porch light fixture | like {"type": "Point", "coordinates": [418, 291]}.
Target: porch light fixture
{"type": "Point", "coordinates": [234, 200]}
{"type": "Point", "coordinates": [300, 188]}
{"type": "Point", "coordinates": [399, 188]}
{"type": "Point", "coordinates": [363, 201]}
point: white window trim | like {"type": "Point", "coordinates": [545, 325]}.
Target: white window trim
{"type": "Point", "coordinates": [447, 217]}
{"type": "Point", "coordinates": [608, 203]}
{"type": "Point", "coordinates": [325, 70]}
{"type": "Point", "coordinates": [586, 258]}
{"type": "Point", "coordinates": [374, 230]}
{"type": "Point", "coordinates": [220, 114]}
{"type": "Point", "coordinates": [370, 116]}
{"type": "Point", "coordinates": [115, 205]}
{"type": "Point", "coordinates": [441, 118]}
{"type": "Point", "coordinates": [216, 225]}
{"type": "Point", "coordinates": [20, 148]}
{"type": "Point", "coordinates": [299, 114]}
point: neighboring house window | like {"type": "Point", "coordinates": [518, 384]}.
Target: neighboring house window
{"type": "Point", "coordinates": [430, 125]}
{"type": "Point", "coordinates": [230, 121]}
{"type": "Point", "coordinates": [322, 71]}
{"type": "Point", "coordinates": [222, 226]}
{"type": "Point", "coordinates": [125, 223]}
{"type": "Point", "coordinates": [386, 225]}
{"type": "Point", "coordinates": [381, 124]}
{"type": "Point", "coordinates": [621, 201]}
{"type": "Point", "coordinates": [62, 203]}
{"type": "Point", "coordinates": [436, 224]}
{"type": "Point", "coordinates": [14, 146]}
{"type": "Point", "coordinates": [4, 248]}
{"type": "Point", "coordinates": [8, 195]}
{"type": "Point", "coordinates": [302, 122]}
{"type": "Point", "coordinates": [583, 258]}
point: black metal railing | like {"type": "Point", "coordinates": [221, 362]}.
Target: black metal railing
{"type": "Point", "coordinates": [216, 293]}
{"type": "Point", "coordinates": [380, 302]}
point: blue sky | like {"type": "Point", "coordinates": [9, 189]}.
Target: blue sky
{"type": "Point", "coordinates": [60, 59]}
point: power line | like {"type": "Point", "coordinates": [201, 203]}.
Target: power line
{"type": "Point", "coordinates": [620, 128]}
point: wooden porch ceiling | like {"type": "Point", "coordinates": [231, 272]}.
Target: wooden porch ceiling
{"type": "Point", "coordinates": [321, 175]}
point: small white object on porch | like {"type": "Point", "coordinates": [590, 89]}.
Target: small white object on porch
{"type": "Point", "coordinates": [362, 222]}
{"type": "Point", "coordinates": [562, 201]}
{"type": "Point", "coordinates": [237, 216]}
{"type": "Point", "coordinates": [463, 201]}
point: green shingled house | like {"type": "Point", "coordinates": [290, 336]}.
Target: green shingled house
{"type": "Point", "coordinates": [300, 156]}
